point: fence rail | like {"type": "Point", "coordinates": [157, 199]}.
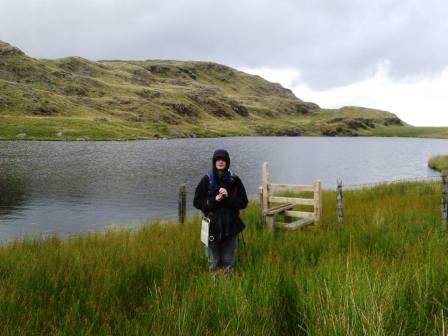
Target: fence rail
{"type": "Point", "coordinates": [277, 187]}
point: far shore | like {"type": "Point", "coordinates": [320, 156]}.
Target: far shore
{"type": "Point", "coordinates": [402, 132]}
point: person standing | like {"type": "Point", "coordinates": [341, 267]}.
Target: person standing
{"type": "Point", "coordinates": [220, 195]}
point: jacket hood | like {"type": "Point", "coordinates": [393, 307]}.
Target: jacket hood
{"type": "Point", "coordinates": [221, 154]}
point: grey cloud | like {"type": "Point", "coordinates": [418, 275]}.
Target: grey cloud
{"type": "Point", "coordinates": [331, 42]}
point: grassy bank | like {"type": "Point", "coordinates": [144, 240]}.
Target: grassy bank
{"type": "Point", "coordinates": [14, 127]}
{"type": "Point", "coordinates": [411, 131]}
{"type": "Point", "coordinates": [438, 162]}
{"type": "Point", "coordinates": [383, 273]}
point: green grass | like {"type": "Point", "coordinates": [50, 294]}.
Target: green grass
{"type": "Point", "coordinates": [438, 162]}
{"type": "Point", "coordinates": [66, 128]}
{"type": "Point", "coordinates": [384, 272]}
{"type": "Point", "coordinates": [411, 131]}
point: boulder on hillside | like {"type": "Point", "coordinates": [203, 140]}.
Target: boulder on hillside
{"type": "Point", "coordinates": [189, 72]}
{"type": "Point", "coordinates": [185, 110]}
{"type": "Point", "coordinates": [240, 109]}
{"type": "Point", "coordinates": [393, 121]}
{"type": "Point", "coordinates": [306, 107]}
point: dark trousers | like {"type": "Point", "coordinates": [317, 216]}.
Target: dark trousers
{"type": "Point", "coordinates": [222, 253]}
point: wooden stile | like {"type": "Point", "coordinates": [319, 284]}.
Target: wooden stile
{"type": "Point", "coordinates": [278, 209]}
{"type": "Point", "coordinates": [285, 208]}
{"type": "Point", "coordinates": [294, 225]}
{"type": "Point", "coordinates": [298, 201]}
{"type": "Point", "coordinates": [275, 187]}
{"type": "Point", "coordinates": [300, 214]}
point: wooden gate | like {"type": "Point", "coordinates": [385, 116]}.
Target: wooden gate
{"type": "Point", "coordinates": [272, 205]}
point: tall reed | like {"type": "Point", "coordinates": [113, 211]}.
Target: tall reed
{"type": "Point", "coordinates": [384, 272]}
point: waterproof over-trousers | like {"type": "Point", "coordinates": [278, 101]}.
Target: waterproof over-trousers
{"type": "Point", "coordinates": [221, 254]}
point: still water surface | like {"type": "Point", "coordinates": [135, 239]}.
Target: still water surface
{"type": "Point", "coordinates": [69, 187]}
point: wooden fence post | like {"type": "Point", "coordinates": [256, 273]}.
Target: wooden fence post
{"type": "Point", "coordinates": [182, 203]}
{"type": "Point", "coordinates": [317, 201]}
{"type": "Point", "coordinates": [444, 200]}
{"type": "Point", "coordinates": [269, 219]}
{"type": "Point", "coordinates": [260, 198]}
{"type": "Point", "coordinates": [340, 204]}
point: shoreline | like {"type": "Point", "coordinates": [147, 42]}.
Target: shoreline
{"type": "Point", "coordinates": [172, 219]}
{"type": "Point", "coordinates": [222, 136]}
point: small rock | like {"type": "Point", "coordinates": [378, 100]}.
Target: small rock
{"type": "Point", "coordinates": [241, 110]}
{"type": "Point", "coordinates": [21, 135]}
{"type": "Point", "coordinates": [291, 131]}
{"type": "Point", "coordinates": [101, 119]}
{"type": "Point", "coordinates": [183, 109]}
{"type": "Point", "coordinates": [59, 134]}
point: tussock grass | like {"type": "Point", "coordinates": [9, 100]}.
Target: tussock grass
{"type": "Point", "coordinates": [438, 162]}
{"type": "Point", "coordinates": [384, 272]}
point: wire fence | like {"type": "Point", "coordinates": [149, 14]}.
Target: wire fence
{"type": "Point", "coordinates": [432, 178]}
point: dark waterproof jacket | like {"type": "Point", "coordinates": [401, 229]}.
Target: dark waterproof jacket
{"type": "Point", "coordinates": [224, 216]}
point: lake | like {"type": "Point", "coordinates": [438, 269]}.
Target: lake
{"type": "Point", "coordinates": [67, 187]}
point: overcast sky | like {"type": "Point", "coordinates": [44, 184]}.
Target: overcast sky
{"type": "Point", "coordinates": [387, 54]}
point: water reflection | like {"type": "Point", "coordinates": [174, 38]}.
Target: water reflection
{"type": "Point", "coordinates": [13, 194]}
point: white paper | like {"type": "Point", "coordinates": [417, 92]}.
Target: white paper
{"type": "Point", "coordinates": [205, 225]}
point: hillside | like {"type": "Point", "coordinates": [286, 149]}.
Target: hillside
{"type": "Point", "coordinates": [75, 98]}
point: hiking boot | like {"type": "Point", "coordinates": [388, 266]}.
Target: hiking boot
{"type": "Point", "coordinates": [228, 271]}
{"type": "Point", "coordinates": [212, 267]}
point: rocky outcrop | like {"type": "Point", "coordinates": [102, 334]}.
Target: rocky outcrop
{"type": "Point", "coordinates": [392, 121]}
{"type": "Point", "coordinates": [8, 50]}
{"type": "Point", "coordinates": [306, 107]}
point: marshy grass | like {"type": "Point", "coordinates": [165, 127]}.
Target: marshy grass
{"type": "Point", "coordinates": [438, 162]}
{"type": "Point", "coordinates": [384, 272]}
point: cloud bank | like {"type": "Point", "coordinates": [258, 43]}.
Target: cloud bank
{"type": "Point", "coordinates": [419, 101]}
